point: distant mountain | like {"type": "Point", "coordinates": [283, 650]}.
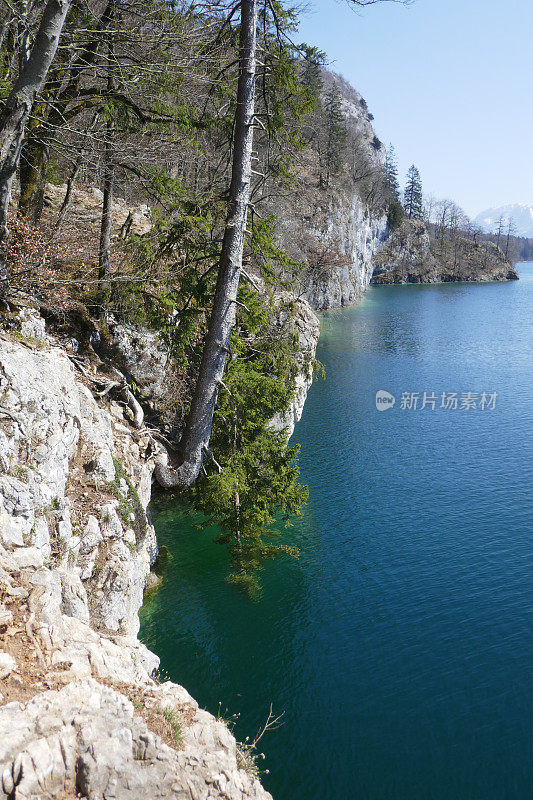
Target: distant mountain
{"type": "Point", "coordinates": [520, 213]}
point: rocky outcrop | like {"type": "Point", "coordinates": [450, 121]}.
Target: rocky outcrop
{"type": "Point", "coordinates": [81, 710]}
{"type": "Point", "coordinates": [334, 226]}
{"type": "Point", "coordinates": [337, 246]}
{"type": "Point", "coordinates": [408, 249]}
{"type": "Point", "coordinates": [359, 238]}
{"type": "Point", "coordinates": [86, 206]}
{"type": "Point", "coordinates": [412, 256]}
{"type": "Point", "coordinates": [307, 328]}
{"type": "Point", "coordinates": [88, 740]}
{"type": "Point", "coordinates": [143, 355]}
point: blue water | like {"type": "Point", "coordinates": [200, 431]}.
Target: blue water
{"type": "Point", "coordinates": [400, 644]}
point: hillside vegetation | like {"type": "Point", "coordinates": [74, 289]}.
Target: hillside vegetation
{"type": "Point", "coordinates": [413, 255]}
{"type": "Point", "coordinates": [186, 169]}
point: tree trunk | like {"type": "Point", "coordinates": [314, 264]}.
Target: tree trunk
{"type": "Point", "coordinates": [34, 159]}
{"type": "Point", "coordinates": [54, 113]}
{"type": "Point", "coordinates": [195, 439]}
{"type": "Point", "coordinates": [24, 47]}
{"type": "Point", "coordinates": [17, 110]}
{"type": "Point", "coordinates": [65, 205]}
{"type": "Point", "coordinates": [104, 253]}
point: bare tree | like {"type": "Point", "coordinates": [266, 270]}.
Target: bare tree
{"type": "Point", "coordinates": [429, 208]}
{"type": "Point", "coordinates": [499, 231]}
{"type": "Point", "coordinates": [511, 234]}
{"type": "Point", "coordinates": [65, 205]}
{"type": "Point", "coordinates": [104, 253]}
{"type": "Point", "coordinates": [18, 107]}
{"type": "Point", "coordinates": [443, 212]}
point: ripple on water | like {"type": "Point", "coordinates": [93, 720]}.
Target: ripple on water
{"type": "Point", "coordinates": [399, 644]}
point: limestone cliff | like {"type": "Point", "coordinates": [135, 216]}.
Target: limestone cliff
{"type": "Point", "coordinates": [334, 227]}
{"type": "Point", "coordinates": [337, 243]}
{"type": "Point", "coordinates": [82, 711]}
{"type": "Point", "coordinates": [412, 256]}
{"type": "Point", "coordinates": [307, 328]}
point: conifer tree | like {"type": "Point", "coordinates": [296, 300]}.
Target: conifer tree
{"type": "Point", "coordinates": [391, 170]}
{"type": "Point", "coordinates": [312, 73]}
{"type": "Point", "coordinates": [413, 199]}
{"type": "Point", "coordinates": [256, 488]}
{"type": "Point", "coordinates": [336, 133]}
{"type": "Point", "coordinates": [395, 211]}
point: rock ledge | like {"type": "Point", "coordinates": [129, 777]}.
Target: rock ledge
{"type": "Point", "coordinates": [82, 713]}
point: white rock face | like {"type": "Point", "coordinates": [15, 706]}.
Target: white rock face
{"type": "Point", "coordinates": [144, 356]}
{"type": "Point", "coordinates": [86, 200]}
{"type": "Point", "coordinates": [75, 550]}
{"type": "Point", "coordinates": [335, 230]}
{"type": "Point", "coordinates": [87, 738]}
{"type": "Point", "coordinates": [357, 238]}
{"type": "Point", "coordinates": [7, 664]}
{"type": "Point", "coordinates": [307, 327]}
{"type": "Point", "coordinates": [336, 241]}
{"type": "Point", "coordinates": [32, 324]}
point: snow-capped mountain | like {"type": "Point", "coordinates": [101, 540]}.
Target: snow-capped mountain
{"type": "Point", "coordinates": [520, 213]}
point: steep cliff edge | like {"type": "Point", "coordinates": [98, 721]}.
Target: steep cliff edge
{"type": "Point", "coordinates": [306, 326]}
{"type": "Point", "coordinates": [412, 256]}
{"type": "Point", "coordinates": [338, 239]}
{"type": "Point", "coordinates": [333, 225]}
{"type": "Point", "coordinates": [82, 712]}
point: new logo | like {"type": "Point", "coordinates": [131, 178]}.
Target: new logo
{"type": "Point", "coordinates": [384, 400]}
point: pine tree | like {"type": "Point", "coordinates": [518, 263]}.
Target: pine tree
{"type": "Point", "coordinates": [391, 172]}
{"type": "Point", "coordinates": [311, 76]}
{"type": "Point", "coordinates": [413, 199]}
{"type": "Point", "coordinates": [336, 133]}
{"type": "Point", "coordinates": [255, 489]}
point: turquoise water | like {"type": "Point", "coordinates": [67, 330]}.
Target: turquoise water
{"type": "Point", "coordinates": [400, 645]}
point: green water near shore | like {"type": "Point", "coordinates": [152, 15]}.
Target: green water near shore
{"type": "Point", "coordinates": [399, 645]}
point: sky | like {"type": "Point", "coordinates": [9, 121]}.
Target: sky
{"type": "Point", "coordinates": [450, 84]}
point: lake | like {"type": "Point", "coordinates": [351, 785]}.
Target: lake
{"type": "Point", "coordinates": [399, 646]}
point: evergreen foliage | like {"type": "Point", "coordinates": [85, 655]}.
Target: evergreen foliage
{"type": "Point", "coordinates": [413, 198]}
{"type": "Point", "coordinates": [336, 133]}
{"type": "Point", "coordinates": [391, 173]}
{"type": "Point", "coordinates": [395, 215]}
{"type": "Point", "coordinates": [255, 486]}
{"type": "Point", "coordinates": [311, 76]}
{"type": "Point", "coordinates": [156, 83]}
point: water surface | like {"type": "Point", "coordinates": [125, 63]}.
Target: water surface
{"type": "Point", "coordinates": [400, 645]}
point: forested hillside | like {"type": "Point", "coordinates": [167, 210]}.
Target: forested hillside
{"type": "Point", "coordinates": [259, 180]}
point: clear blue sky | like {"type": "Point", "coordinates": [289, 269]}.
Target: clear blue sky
{"type": "Point", "coordinates": [450, 84]}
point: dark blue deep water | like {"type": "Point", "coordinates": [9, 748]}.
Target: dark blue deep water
{"type": "Point", "coordinates": [400, 644]}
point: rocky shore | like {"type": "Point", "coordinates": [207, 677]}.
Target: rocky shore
{"type": "Point", "coordinates": [83, 712]}
{"type": "Point", "coordinates": [412, 256]}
